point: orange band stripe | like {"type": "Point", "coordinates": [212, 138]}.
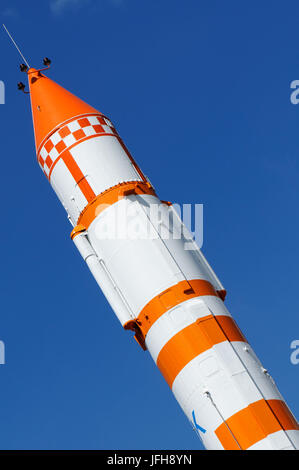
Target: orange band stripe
{"type": "Point", "coordinates": [78, 176]}
{"type": "Point", "coordinates": [255, 423]}
{"type": "Point", "coordinates": [194, 340]}
{"type": "Point", "coordinates": [283, 414]}
{"type": "Point", "coordinates": [111, 196]}
{"type": "Point", "coordinates": [171, 297]}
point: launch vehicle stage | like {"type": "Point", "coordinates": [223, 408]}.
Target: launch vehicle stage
{"type": "Point", "coordinates": [168, 295]}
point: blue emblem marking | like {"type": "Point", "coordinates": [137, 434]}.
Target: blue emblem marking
{"type": "Point", "coordinates": [197, 427]}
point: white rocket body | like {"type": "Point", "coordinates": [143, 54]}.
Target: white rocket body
{"type": "Point", "coordinates": [166, 293]}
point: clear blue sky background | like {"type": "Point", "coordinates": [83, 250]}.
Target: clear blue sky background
{"type": "Point", "coordinates": [200, 92]}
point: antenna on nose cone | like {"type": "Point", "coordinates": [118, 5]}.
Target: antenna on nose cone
{"type": "Point", "coordinates": [25, 67]}
{"type": "Point", "coordinates": [16, 46]}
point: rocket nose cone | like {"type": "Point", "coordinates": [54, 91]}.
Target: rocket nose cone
{"type": "Point", "coordinates": [52, 105]}
{"type": "Point", "coordinates": [33, 75]}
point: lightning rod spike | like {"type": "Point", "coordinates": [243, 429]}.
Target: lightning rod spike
{"type": "Point", "coordinates": [15, 44]}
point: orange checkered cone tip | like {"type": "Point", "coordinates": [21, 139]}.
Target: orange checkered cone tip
{"type": "Point", "coordinates": [52, 105]}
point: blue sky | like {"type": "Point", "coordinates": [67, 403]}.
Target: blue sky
{"type": "Point", "coordinates": [200, 92]}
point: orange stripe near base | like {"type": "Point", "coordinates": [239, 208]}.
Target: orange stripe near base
{"type": "Point", "coordinates": [194, 340]}
{"type": "Point", "coordinates": [111, 196]}
{"type": "Point", "coordinates": [163, 302]}
{"type": "Point", "coordinates": [255, 423]}
{"type": "Point", "coordinates": [283, 414]}
{"type": "Point", "coordinates": [171, 297]}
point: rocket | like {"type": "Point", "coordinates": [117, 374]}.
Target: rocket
{"type": "Point", "coordinates": [168, 295]}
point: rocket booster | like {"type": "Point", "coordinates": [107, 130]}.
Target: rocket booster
{"type": "Point", "coordinates": [167, 294]}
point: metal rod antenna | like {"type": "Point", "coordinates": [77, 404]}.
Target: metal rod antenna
{"type": "Point", "coordinates": [16, 46]}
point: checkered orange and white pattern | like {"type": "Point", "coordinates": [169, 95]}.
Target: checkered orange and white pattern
{"type": "Point", "coordinates": [69, 134]}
